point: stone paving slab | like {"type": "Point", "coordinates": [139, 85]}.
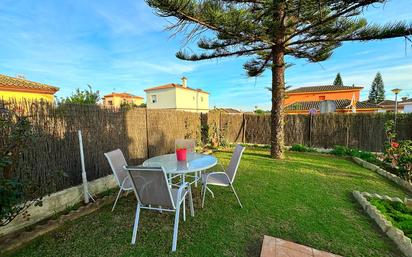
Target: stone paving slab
{"type": "Point", "coordinates": [276, 247]}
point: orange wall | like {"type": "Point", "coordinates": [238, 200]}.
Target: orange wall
{"type": "Point", "coordinates": [316, 96]}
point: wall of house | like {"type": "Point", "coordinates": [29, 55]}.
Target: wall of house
{"type": "Point", "coordinates": [7, 95]}
{"type": "Point", "coordinates": [118, 100]}
{"type": "Point", "coordinates": [319, 96]}
{"type": "Point", "coordinates": [166, 99]}
{"type": "Point", "coordinates": [191, 100]}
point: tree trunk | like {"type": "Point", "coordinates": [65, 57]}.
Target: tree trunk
{"type": "Point", "coordinates": [278, 90]}
{"type": "Point", "coordinates": [278, 83]}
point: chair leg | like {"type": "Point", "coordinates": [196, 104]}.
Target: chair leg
{"type": "Point", "coordinates": [192, 210]}
{"type": "Point", "coordinates": [136, 224]}
{"type": "Point", "coordinates": [203, 194]}
{"type": "Point", "coordinates": [117, 198]}
{"type": "Point", "coordinates": [237, 197]}
{"type": "Point", "coordinates": [208, 189]}
{"type": "Point", "coordinates": [176, 228]}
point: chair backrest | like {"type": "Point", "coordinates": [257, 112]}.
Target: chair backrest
{"type": "Point", "coordinates": [116, 162]}
{"type": "Point", "coordinates": [150, 186]}
{"type": "Point", "coordinates": [234, 162]}
{"type": "Point", "coordinates": [189, 144]}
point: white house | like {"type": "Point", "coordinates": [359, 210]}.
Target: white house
{"type": "Point", "coordinates": [177, 97]}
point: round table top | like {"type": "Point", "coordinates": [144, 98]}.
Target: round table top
{"type": "Point", "coordinates": [194, 162]}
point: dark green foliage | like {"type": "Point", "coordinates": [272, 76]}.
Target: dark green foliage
{"type": "Point", "coordinates": [15, 135]}
{"type": "Point", "coordinates": [338, 80]}
{"type": "Point", "coordinates": [397, 213]}
{"type": "Point", "coordinates": [312, 29]}
{"type": "Point", "coordinates": [301, 148]}
{"type": "Point", "coordinates": [82, 97]}
{"type": "Point", "coordinates": [259, 111]}
{"type": "Point", "coordinates": [339, 150]}
{"type": "Point", "coordinates": [377, 91]}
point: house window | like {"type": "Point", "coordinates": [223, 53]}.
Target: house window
{"type": "Point", "coordinates": [201, 98]}
{"type": "Point", "coordinates": [322, 97]}
{"type": "Point", "coordinates": [110, 102]}
{"type": "Point", "coordinates": [154, 99]}
{"type": "Point", "coordinates": [194, 98]}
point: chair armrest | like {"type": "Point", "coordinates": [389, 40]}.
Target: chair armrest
{"type": "Point", "coordinates": [131, 167]}
{"type": "Point", "coordinates": [182, 187]}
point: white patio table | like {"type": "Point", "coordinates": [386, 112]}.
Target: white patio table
{"type": "Point", "coordinates": [195, 162]}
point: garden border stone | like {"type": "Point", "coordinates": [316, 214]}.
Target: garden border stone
{"type": "Point", "coordinates": [403, 183]}
{"type": "Point", "coordinates": [396, 235]}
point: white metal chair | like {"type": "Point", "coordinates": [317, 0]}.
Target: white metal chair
{"type": "Point", "coordinates": [190, 145]}
{"type": "Point", "coordinates": [153, 193]}
{"type": "Point", "coordinates": [116, 162]}
{"type": "Point", "coordinates": [223, 178]}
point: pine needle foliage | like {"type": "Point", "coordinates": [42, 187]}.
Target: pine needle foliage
{"type": "Point", "coordinates": [338, 80]}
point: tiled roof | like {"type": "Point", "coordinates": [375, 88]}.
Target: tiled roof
{"type": "Point", "coordinates": [228, 110]}
{"type": "Point", "coordinates": [320, 89]}
{"type": "Point", "coordinates": [124, 95]}
{"type": "Point", "coordinates": [172, 85]}
{"type": "Point", "coordinates": [20, 84]}
{"type": "Point", "coordinates": [340, 104]}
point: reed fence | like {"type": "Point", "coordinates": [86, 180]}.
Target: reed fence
{"type": "Point", "coordinates": [52, 161]}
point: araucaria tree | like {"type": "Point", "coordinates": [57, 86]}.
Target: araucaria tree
{"type": "Point", "coordinates": [338, 80]}
{"type": "Point", "coordinates": [270, 30]}
{"type": "Point", "coordinates": [377, 91]}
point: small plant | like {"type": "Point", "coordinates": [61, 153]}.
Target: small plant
{"type": "Point", "coordinates": [301, 148]}
{"type": "Point", "coordinates": [339, 150]}
{"type": "Point", "coordinates": [398, 153]}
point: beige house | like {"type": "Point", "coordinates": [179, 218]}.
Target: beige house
{"type": "Point", "coordinates": [115, 100]}
{"type": "Point", "coordinates": [177, 97]}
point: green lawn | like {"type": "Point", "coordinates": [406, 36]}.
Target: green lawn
{"type": "Point", "coordinates": [306, 198]}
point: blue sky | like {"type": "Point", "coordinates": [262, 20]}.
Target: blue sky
{"type": "Point", "coordinates": [121, 46]}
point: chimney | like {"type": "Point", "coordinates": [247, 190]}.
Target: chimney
{"type": "Point", "coordinates": [184, 82]}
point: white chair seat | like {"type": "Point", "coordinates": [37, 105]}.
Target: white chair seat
{"type": "Point", "coordinates": [218, 179]}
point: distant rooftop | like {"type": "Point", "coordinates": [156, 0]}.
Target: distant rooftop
{"type": "Point", "coordinates": [340, 104]}
{"type": "Point", "coordinates": [227, 110]}
{"type": "Point", "coordinates": [21, 84]}
{"type": "Point", "coordinates": [173, 85]}
{"type": "Point", "coordinates": [124, 95]}
{"type": "Point", "coordinates": [324, 88]}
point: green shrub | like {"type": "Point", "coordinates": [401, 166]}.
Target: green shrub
{"type": "Point", "coordinates": [301, 148]}
{"type": "Point", "coordinates": [339, 150]}
{"type": "Point", "coordinates": [397, 213]}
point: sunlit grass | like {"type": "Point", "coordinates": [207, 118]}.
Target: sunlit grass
{"type": "Point", "coordinates": [305, 198]}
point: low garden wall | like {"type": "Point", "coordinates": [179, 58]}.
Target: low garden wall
{"type": "Point", "coordinates": [56, 203]}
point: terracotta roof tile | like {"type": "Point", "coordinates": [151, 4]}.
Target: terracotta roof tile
{"type": "Point", "coordinates": [340, 104]}
{"type": "Point", "coordinates": [11, 83]}
{"type": "Point", "coordinates": [173, 85]}
{"type": "Point", "coordinates": [125, 95]}
{"type": "Point", "coordinates": [320, 89]}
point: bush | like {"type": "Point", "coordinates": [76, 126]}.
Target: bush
{"type": "Point", "coordinates": [397, 213]}
{"type": "Point", "coordinates": [339, 150]}
{"type": "Point", "coordinates": [15, 136]}
{"type": "Point", "coordinates": [398, 153]}
{"type": "Point", "coordinates": [301, 148]}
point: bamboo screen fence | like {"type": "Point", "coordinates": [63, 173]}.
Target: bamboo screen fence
{"type": "Point", "coordinates": [53, 161]}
